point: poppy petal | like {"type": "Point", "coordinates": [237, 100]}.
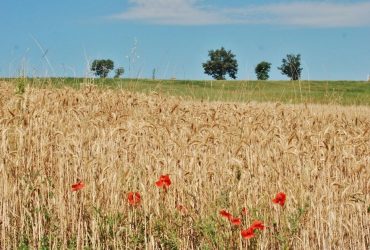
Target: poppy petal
{"type": "Point", "coordinates": [164, 181]}
{"type": "Point", "coordinates": [77, 186]}
{"type": "Point", "coordinates": [280, 198]}
{"type": "Point", "coordinates": [248, 233]}
{"type": "Point", "coordinates": [258, 225]}
{"type": "Point", "coordinates": [236, 221]}
{"type": "Point", "coordinates": [133, 198]}
{"type": "Point", "coordinates": [225, 214]}
{"type": "Point", "coordinates": [159, 183]}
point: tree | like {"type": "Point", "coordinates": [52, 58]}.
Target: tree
{"type": "Point", "coordinates": [291, 66]}
{"type": "Point", "coordinates": [221, 62]}
{"type": "Point", "coordinates": [262, 70]}
{"type": "Point", "coordinates": [102, 67]}
{"type": "Point", "coordinates": [119, 72]}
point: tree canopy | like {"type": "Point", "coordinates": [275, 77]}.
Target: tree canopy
{"type": "Point", "coordinates": [221, 62]}
{"type": "Point", "coordinates": [102, 67]}
{"type": "Point", "coordinates": [291, 66]}
{"type": "Point", "coordinates": [118, 72]}
{"type": "Point", "coordinates": [262, 70]}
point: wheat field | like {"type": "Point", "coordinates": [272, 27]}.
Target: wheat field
{"type": "Point", "coordinates": [218, 155]}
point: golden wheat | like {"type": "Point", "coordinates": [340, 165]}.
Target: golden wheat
{"type": "Point", "coordinates": [218, 155]}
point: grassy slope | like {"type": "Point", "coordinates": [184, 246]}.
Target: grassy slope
{"type": "Point", "coordinates": [326, 92]}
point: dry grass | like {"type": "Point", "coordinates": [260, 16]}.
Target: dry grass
{"type": "Point", "coordinates": [218, 155]}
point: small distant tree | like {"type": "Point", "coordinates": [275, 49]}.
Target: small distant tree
{"type": "Point", "coordinates": [102, 68]}
{"type": "Point", "coordinates": [262, 70]}
{"type": "Point", "coordinates": [119, 72]}
{"type": "Point", "coordinates": [221, 62]}
{"type": "Point", "coordinates": [291, 66]}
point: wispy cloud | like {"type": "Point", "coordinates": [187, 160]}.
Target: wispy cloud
{"type": "Point", "coordinates": [174, 12]}
{"type": "Point", "coordinates": [193, 12]}
{"type": "Point", "coordinates": [313, 14]}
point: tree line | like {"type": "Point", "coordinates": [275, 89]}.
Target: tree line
{"type": "Point", "coordinates": [221, 63]}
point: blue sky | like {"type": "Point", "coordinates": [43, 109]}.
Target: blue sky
{"type": "Point", "coordinates": [61, 38]}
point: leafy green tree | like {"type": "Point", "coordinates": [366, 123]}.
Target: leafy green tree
{"type": "Point", "coordinates": [291, 66]}
{"type": "Point", "coordinates": [119, 72]}
{"type": "Point", "coordinates": [221, 62]}
{"type": "Point", "coordinates": [102, 67]}
{"type": "Point", "coordinates": [262, 70]}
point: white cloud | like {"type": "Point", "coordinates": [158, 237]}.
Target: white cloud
{"type": "Point", "coordinates": [312, 14]}
{"type": "Point", "coordinates": [191, 12]}
{"type": "Point", "coordinates": [174, 12]}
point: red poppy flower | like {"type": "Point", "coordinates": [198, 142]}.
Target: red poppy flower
{"type": "Point", "coordinates": [164, 181]}
{"type": "Point", "coordinates": [226, 214]}
{"type": "Point", "coordinates": [134, 198]}
{"type": "Point", "coordinates": [78, 185]}
{"type": "Point", "coordinates": [280, 199]}
{"type": "Point", "coordinates": [257, 225]}
{"type": "Point", "coordinates": [235, 221]}
{"type": "Point", "coordinates": [248, 233]}
{"type": "Point", "coordinates": [244, 211]}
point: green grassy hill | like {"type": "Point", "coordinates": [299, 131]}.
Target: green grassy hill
{"type": "Point", "coordinates": [326, 92]}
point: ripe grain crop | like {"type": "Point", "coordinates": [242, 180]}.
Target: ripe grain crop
{"type": "Point", "coordinates": [154, 172]}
